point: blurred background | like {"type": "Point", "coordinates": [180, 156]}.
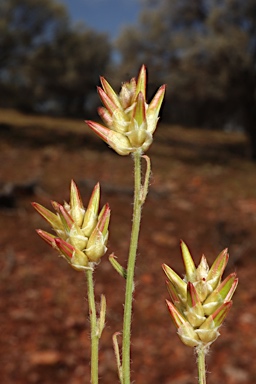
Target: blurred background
{"type": "Point", "coordinates": [203, 186]}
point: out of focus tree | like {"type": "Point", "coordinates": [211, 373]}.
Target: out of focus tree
{"type": "Point", "coordinates": [66, 70]}
{"type": "Point", "coordinates": [24, 25]}
{"type": "Point", "coordinates": [45, 63]}
{"type": "Point", "coordinates": [205, 50]}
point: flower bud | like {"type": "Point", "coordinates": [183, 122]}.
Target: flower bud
{"type": "Point", "coordinates": [200, 301]}
{"type": "Point", "coordinates": [130, 121]}
{"type": "Point", "coordinates": [81, 233]}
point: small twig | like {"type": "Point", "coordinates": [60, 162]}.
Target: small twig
{"type": "Point", "coordinates": [144, 187]}
{"type": "Point", "coordinates": [117, 355]}
{"type": "Point", "coordinates": [117, 266]}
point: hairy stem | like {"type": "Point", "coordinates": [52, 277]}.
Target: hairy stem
{"type": "Point", "coordinates": [201, 351]}
{"type": "Point", "coordinates": [94, 328]}
{"type": "Point", "coordinates": [137, 205]}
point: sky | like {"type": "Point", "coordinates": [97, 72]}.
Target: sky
{"type": "Point", "coordinates": [104, 15]}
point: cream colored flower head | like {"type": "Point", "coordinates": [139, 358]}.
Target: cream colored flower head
{"type": "Point", "coordinates": [130, 121]}
{"type": "Point", "coordinates": [201, 301]}
{"type": "Point", "coordinates": [81, 234]}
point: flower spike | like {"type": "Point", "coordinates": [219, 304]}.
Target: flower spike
{"type": "Point", "coordinates": [130, 121]}
{"type": "Point", "coordinates": [81, 233]}
{"type": "Point", "coordinates": [200, 301]}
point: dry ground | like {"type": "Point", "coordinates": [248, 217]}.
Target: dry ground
{"type": "Point", "coordinates": [203, 190]}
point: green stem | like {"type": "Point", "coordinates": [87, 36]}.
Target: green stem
{"type": "Point", "coordinates": [201, 365]}
{"type": "Point", "coordinates": [94, 328]}
{"type": "Point", "coordinates": [137, 205]}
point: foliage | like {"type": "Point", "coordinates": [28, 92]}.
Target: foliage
{"type": "Point", "coordinates": [44, 61]}
{"type": "Point", "coordinates": [74, 60]}
{"type": "Point", "coordinates": [205, 51]}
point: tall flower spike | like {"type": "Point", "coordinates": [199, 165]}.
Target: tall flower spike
{"type": "Point", "coordinates": [81, 234]}
{"type": "Point", "coordinates": [130, 121]}
{"type": "Point", "coordinates": [200, 301]}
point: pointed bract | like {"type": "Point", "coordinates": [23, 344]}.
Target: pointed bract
{"type": "Point", "coordinates": [90, 217]}
{"type": "Point", "coordinates": [110, 92]}
{"type": "Point", "coordinates": [96, 246]}
{"type": "Point", "coordinates": [190, 267]}
{"type": "Point", "coordinates": [47, 237]}
{"type": "Point", "coordinates": [217, 269]}
{"type": "Point", "coordinates": [176, 316]}
{"type": "Point", "coordinates": [51, 218]}
{"type": "Point", "coordinates": [65, 248]}
{"type": "Point", "coordinates": [174, 296]}
{"type": "Point", "coordinates": [104, 218]}
{"type": "Point", "coordinates": [141, 82]}
{"type": "Point", "coordinates": [107, 101]}
{"type": "Point", "coordinates": [116, 140]}
{"type": "Point", "coordinates": [179, 284]}
{"type": "Point", "coordinates": [223, 293]}
{"type": "Point", "coordinates": [154, 108]}
{"type": "Point", "coordinates": [105, 116]}
{"type": "Point", "coordinates": [127, 94]}
{"type": "Point", "coordinates": [76, 205]}
{"type": "Point", "coordinates": [139, 113]}
{"type": "Point", "coordinates": [194, 311]}
{"type": "Point", "coordinates": [185, 330]}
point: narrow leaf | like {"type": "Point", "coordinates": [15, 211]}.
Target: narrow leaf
{"type": "Point", "coordinates": [118, 267]}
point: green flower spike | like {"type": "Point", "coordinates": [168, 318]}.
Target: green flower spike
{"type": "Point", "coordinates": [130, 121]}
{"type": "Point", "coordinates": [81, 234]}
{"type": "Point", "coordinates": [200, 301]}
